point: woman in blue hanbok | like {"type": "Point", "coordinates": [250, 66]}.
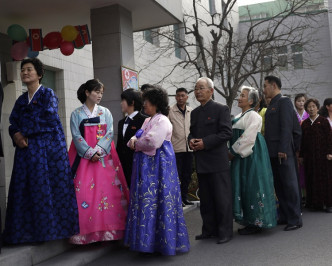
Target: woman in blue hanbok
{"type": "Point", "coordinates": [155, 220]}
{"type": "Point", "coordinates": [41, 200]}
{"type": "Point", "coordinates": [254, 203]}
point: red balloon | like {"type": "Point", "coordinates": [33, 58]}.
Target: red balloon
{"type": "Point", "coordinates": [52, 40]}
{"type": "Point", "coordinates": [67, 48]}
{"type": "Point", "coordinates": [19, 51]}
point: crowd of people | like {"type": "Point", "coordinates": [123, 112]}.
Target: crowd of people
{"type": "Point", "coordinates": [256, 169]}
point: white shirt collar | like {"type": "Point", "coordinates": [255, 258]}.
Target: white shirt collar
{"type": "Point", "coordinates": [88, 113]}
{"type": "Point", "coordinates": [30, 99]}
{"type": "Point", "coordinates": [132, 115]}
{"type": "Point", "coordinates": [313, 121]}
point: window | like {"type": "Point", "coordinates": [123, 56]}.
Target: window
{"type": "Point", "coordinates": [212, 7]}
{"type": "Point", "coordinates": [147, 34]}
{"type": "Point", "coordinates": [267, 60]}
{"type": "Point", "coordinates": [282, 58]}
{"type": "Point", "coordinates": [297, 51]}
{"type": "Point", "coordinates": [178, 41]}
{"type": "Point", "coordinates": [48, 80]}
{"type": "Point", "coordinates": [152, 37]}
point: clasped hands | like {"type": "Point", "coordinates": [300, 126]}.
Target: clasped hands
{"type": "Point", "coordinates": [196, 144]}
{"type": "Point", "coordinates": [20, 140]}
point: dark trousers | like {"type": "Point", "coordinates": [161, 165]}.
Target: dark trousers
{"type": "Point", "coordinates": [287, 189]}
{"type": "Point", "coordinates": [184, 161]}
{"type": "Point", "coordinates": [215, 190]}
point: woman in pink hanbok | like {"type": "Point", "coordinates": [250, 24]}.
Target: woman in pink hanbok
{"type": "Point", "coordinates": [301, 116]}
{"type": "Point", "coordinates": [101, 189]}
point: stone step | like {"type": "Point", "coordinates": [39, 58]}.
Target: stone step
{"type": "Point", "coordinates": [27, 255]}
{"type": "Point", "coordinates": [82, 255]}
{"type": "Point", "coordinates": [60, 252]}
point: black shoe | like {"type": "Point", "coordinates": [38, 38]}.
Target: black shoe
{"type": "Point", "coordinates": [183, 204]}
{"type": "Point", "coordinates": [224, 240]}
{"type": "Point", "coordinates": [290, 227]}
{"type": "Point", "coordinates": [328, 209]}
{"type": "Point", "coordinates": [186, 202]}
{"type": "Point", "coordinates": [202, 237]}
{"type": "Point", "coordinates": [249, 230]}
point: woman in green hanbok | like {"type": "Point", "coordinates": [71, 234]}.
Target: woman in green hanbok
{"type": "Point", "coordinates": [254, 203]}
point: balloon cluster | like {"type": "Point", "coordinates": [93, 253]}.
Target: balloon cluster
{"type": "Point", "coordinates": [66, 40]}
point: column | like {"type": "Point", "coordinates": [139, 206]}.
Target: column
{"type": "Point", "coordinates": [112, 47]}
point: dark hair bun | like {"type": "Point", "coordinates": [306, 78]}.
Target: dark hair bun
{"type": "Point", "coordinates": [90, 85]}
{"type": "Point", "coordinates": [81, 93]}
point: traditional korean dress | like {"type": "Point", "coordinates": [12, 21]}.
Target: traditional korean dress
{"type": "Point", "coordinates": [254, 201]}
{"type": "Point", "coordinates": [101, 189]}
{"type": "Point", "coordinates": [316, 143]}
{"type": "Point", "coordinates": [155, 220]}
{"type": "Point", "coordinates": [41, 200]}
{"type": "Point", "coordinates": [301, 118]}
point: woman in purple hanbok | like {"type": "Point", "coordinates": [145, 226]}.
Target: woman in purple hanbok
{"type": "Point", "coordinates": [155, 220]}
{"type": "Point", "coordinates": [301, 116]}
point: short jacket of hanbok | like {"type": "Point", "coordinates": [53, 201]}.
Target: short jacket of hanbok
{"type": "Point", "coordinates": [103, 146]}
{"type": "Point", "coordinates": [156, 130]}
{"type": "Point", "coordinates": [251, 122]}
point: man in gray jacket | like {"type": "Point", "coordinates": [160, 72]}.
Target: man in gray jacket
{"type": "Point", "coordinates": [210, 130]}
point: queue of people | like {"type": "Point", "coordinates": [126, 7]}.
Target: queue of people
{"type": "Point", "coordinates": [136, 191]}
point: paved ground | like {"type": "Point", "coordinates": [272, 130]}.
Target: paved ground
{"type": "Point", "coordinates": [310, 245]}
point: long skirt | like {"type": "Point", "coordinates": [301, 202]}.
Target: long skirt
{"type": "Point", "coordinates": [155, 220]}
{"type": "Point", "coordinates": [254, 201]}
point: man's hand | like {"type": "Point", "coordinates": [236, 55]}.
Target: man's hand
{"type": "Point", "coordinates": [300, 160]}
{"type": "Point", "coordinates": [230, 156]}
{"type": "Point", "coordinates": [191, 144]}
{"type": "Point", "coordinates": [198, 145]}
{"type": "Point", "coordinates": [20, 140]}
{"type": "Point", "coordinates": [329, 157]}
{"type": "Point", "coordinates": [95, 157]}
{"type": "Point", "coordinates": [282, 155]}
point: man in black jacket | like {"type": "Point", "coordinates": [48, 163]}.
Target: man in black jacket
{"type": "Point", "coordinates": [210, 130]}
{"type": "Point", "coordinates": [131, 103]}
{"type": "Point", "coordinates": [283, 137]}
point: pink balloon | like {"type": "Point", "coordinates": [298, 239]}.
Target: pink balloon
{"type": "Point", "coordinates": [67, 48]}
{"type": "Point", "coordinates": [19, 51]}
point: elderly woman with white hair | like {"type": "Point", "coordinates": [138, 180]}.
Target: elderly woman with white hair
{"type": "Point", "coordinates": [254, 204]}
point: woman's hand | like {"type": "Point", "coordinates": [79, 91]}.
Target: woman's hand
{"type": "Point", "coordinates": [329, 157]}
{"type": "Point", "coordinates": [95, 157]}
{"type": "Point", "coordinates": [132, 143]}
{"type": "Point", "coordinates": [230, 156]}
{"type": "Point", "coordinates": [20, 140]}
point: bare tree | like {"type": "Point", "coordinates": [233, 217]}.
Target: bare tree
{"type": "Point", "coordinates": [214, 45]}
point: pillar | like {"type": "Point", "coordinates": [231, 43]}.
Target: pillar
{"type": "Point", "coordinates": [112, 47]}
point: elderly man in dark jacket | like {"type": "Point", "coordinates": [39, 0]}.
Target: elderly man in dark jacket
{"type": "Point", "coordinates": [209, 132]}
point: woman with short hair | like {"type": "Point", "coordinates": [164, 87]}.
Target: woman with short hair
{"type": "Point", "coordinates": [254, 204]}
{"type": "Point", "coordinates": [155, 218]}
{"type": "Point", "coordinates": [316, 149]}
{"type": "Point", "coordinates": [41, 201]}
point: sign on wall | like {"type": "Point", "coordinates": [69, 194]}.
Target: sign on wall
{"type": "Point", "coordinates": [129, 78]}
